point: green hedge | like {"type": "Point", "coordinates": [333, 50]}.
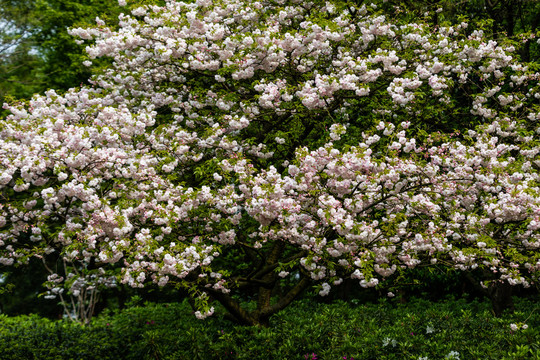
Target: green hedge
{"type": "Point", "coordinates": [419, 329]}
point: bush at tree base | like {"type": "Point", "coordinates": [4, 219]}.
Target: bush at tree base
{"type": "Point", "coordinates": [384, 330]}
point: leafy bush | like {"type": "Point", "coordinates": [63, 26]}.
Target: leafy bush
{"type": "Point", "coordinates": [420, 329]}
{"type": "Point", "coordinates": [32, 337]}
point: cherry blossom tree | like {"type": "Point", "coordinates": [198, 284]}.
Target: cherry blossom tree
{"type": "Point", "coordinates": [235, 147]}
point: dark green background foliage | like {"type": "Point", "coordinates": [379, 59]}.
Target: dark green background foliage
{"type": "Point", "coordinates": [500, 19]}
{"type": "Point", "coordinates": [384, 330]}
{"type": "Point", "coordinates": [36, 51]}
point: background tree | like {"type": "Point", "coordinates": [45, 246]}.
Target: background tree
{"type": "Point", "coordinates": [500, 19]}
{"type": "Point", "coordinates": [37, 53]}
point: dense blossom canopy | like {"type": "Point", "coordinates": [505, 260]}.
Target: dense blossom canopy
{"type": "Point", "coordinates": [312, 141]}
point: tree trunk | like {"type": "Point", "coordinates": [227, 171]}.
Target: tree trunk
{"type": "Point", "coordinates": [500, 294]}
{"type": "Point", "coordinates": [265, 293]}
{"type": "Point", "coordinates": [265, 281]}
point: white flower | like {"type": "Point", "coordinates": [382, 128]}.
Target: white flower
{"type": "Point", "coordinates": [325, 289]}
{"type": "Point", "coordinates": [388, 341]}
{"type": "Point", "coordinates": [199, 315]}
{"type": "Point", "coordinates": [514, 327]}
{"type": "Point", "coordinates": [141, 277]}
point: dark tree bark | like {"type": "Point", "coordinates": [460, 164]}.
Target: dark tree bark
{"type": "Point", "coordinates": [498, 292]}
{"type": "Point", "coordinates": [264, 282]}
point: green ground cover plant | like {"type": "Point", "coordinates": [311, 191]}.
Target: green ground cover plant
{"type": "Point", "coordinates": [418, 329]}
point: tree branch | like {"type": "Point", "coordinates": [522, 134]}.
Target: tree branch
{"type": "Point", "coordinates": [287, 299]}
{"type": "Point", "coordinates": [232, 306]}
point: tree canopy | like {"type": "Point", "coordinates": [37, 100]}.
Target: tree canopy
{"type": "Point", "coordinates": [233, 146]}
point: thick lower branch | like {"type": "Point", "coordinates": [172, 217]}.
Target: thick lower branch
{"type": "Point", "coordinates": [287, 299]}
{"type": "Point", "coordinates": [232, 306]}
{"type": "Point", "coordinates": [268, 269]}
{"type": "Point", "coordinates": [246, 282]}
{"type": "Point", "coordinates": [265, 294]}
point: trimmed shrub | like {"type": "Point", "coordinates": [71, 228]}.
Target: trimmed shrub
{"type": "Point", "coordinates": [420, 329]}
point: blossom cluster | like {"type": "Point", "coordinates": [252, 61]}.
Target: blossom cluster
{"type": "Point", "coordinates": [374, 214]}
